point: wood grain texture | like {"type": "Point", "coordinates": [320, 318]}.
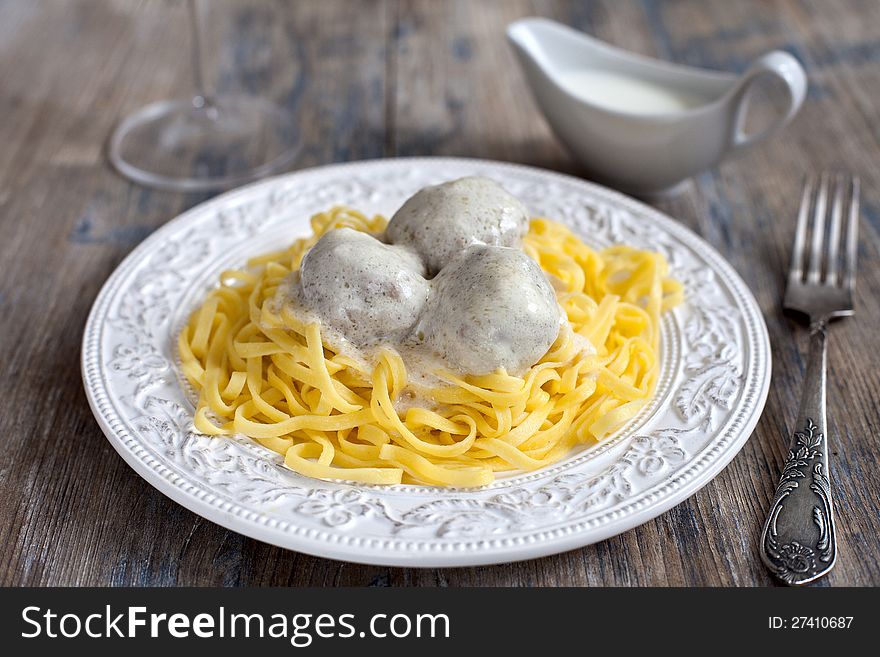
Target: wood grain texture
{"type": "Point", "coordinates": [385, 78]}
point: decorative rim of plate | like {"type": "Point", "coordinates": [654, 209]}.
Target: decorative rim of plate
{"type": "Point", "coordinates": [507, 534]}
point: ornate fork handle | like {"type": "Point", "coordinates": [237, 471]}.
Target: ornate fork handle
{"type": "Point", "coordinates": [798, 543]}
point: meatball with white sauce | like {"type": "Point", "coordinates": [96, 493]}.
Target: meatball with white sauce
{"type": "Point", "coordinates": [368, 291]}
{"type": "Point", "coordinates": [490, 308]}
{"type": "Point", "coordinates": [440, 222]}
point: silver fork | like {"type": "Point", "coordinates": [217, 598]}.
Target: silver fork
{"type": "Point", "coordinates": [798, 543]}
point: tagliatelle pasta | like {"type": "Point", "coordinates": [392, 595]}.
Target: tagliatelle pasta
{"type": "Point", "coordinates": [260, 371]}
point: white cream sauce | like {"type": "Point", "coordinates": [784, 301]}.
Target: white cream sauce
{"type": "Point", "coordinates": [489, 306]}
{"type": "Point", "coordinates": [625, 93]}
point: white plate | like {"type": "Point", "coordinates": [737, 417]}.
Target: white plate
{"type": "Point", "coordinates": [715, 375]}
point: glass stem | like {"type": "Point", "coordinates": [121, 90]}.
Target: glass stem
{"type": "Point", "coordinates": [201, 97]}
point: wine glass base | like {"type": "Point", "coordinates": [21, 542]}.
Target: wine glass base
{"type": "Point", "coordinates": [203, 144]}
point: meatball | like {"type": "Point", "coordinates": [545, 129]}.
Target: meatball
{"type": "Point", "coordinates": [368, 291]}
{"type": "Point", "coordinates": [490, 308]}
{"type": "Point", "coordinates": [440, 222]}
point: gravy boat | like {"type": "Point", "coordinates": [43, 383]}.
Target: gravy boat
{"type": "Point", "coordinates": [645, 153]}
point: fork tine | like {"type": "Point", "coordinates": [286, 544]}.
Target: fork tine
{"type": "Point", "coordinates": [852, 237]}
{"type": "Point", "coordinates": [796, 269]}
{"type": "Point", "coordinates": [831, 266]}
{"type": "Point", "coordinates": [814, 269]}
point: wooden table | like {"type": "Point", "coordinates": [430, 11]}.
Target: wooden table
{"type": "Point", "coordinates": [378, 79]}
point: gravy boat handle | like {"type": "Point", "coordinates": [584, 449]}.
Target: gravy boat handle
{"type": "Point", "coordinates": [778, 64]}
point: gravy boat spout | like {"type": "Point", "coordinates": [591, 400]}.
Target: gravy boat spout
{"type": "Point", "coordinates": [639, 124]}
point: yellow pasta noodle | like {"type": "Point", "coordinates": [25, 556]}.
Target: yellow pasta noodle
{"type": "Point", "coordinates": [261, 372]}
